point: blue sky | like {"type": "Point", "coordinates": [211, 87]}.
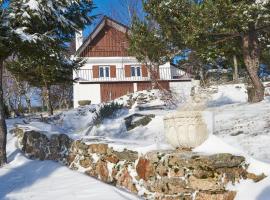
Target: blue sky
{"type": "Point", "coordinates": [104, 7]}
{"type": "Point", "coordinates": [111, 8]}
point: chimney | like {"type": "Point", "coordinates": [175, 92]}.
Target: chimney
{"type": "Point", "coordinates": [79, 39]}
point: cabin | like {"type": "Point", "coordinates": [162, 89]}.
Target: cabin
{"type": "Point", "coordinates": [110, 71]}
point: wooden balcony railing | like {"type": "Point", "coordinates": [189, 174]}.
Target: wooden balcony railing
{"type": "Point", "coordinates": [86, 75]}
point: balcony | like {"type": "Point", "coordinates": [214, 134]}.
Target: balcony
{"type": "Point", "coordinates": [165, 74]}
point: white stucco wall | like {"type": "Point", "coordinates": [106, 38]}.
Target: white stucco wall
{"type": "Point", "coordinates": [91, 91]}
{"type": "Point", "coordinates": [86, 92]}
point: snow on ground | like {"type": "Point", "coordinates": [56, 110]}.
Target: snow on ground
{"type": "Point", "coordinates": [240, 124]}
{"type": "Point", "coordinates": [24, 179]}
{"type": "Point", "coordinates": [239, 128]}
{"type": "Point", "coordinates": [246, 190]}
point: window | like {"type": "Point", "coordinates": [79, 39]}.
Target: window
{"type": "Point", "coordinates": [104, 71]}
{"type": "Point", "coordinates": [136, 71]}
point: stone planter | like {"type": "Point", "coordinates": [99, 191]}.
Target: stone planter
{"type": "Point", "coordinates": [186, 129]}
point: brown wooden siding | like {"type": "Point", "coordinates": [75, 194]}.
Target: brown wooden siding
{"type": "Point", "coordinates": [148, 85]}
{"type": "Point", "coordinates": [164, 85]}
{"type": "Point", "coordinates": [127, 71]}
{"type": "Point", "coordinates": [113, 71]}
{"type": "Point", "coordinates": [111, 91]}
{"type": "Point", "coordinates": [108, 43]}
{"type": "Point", "coordinates": [95, 71]}
{"type": "Point", "coordinates": [144, 71]}
{"type": "Point", "coordinates": [144, 86]}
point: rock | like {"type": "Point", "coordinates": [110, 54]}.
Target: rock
{"type": "Point", "coordinates": [114, 173]}
{"type": "Point", "coordinates": [70, 158]}
{"type": "Point", "coordinates": [64, 141]}
{"type": "Point", "coordinates": [226, 160]}
{"type": "Point", "coordinates": [168, 186]}
{"type": "Point", "coordinates": [155, 156]}
{"type": "Point", "coordinates": [79, 147]}
{"type": "Point", "coordinates": [102, 171]}
{"type": "Point", "coordinates": [226, 195]}
{"type": "Point", "coordinates": [98, 148]}
{"type": "Point", "coordinates": [205, 184]}
{"type": "Point", "coordinates": [173, 197]}
{"type": "Point", "coordinates": [162, 170]}
{"type": "Point", "coordinates": [125, 180]}
{"type": "Point", "coordinates": [256, 178]}
{"type": "Point", "coordinates": [136, 120]}
{"type": "Point", "coordinates": [178, 159]}
{"type": "Point", "coordinates": [145, 169]}
{"type": "Point", "coordinates": [176, 172]}
{"type": "Point", "coordinates": [92, 172]}
{"type": "Point", "coordinates": [35, 145]}
{"type": "Point", "coordinates": [126, 155]}
{"type": "Point", "coordinates": [18, 132]}
{"type": "Point", "coordinates": [203, 174]}
{"type": "Point", "coordinates": [176, 186]}
{"type": "Point", "coordinates": [233, 174]}
{"type": "Point", "coordinates": [86, 162]}
{"type": "Point", "coordinates": [112, 159]}
{"type": "Point", "coordinates": [145, 107]}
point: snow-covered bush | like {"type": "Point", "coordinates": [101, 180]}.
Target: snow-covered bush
{"type": "Point", "coordinates": [107, 111]}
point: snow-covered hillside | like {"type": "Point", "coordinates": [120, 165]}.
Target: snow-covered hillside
{"type": "Point", "coordinates": [239, 128]}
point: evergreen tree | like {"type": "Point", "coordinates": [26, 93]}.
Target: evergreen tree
{"type": "Point", "coordinates": [214, 27]}
{"type": "Point", "coordinates": [26, 26]}
{"type": "Point", "coordinates": [148, 46]}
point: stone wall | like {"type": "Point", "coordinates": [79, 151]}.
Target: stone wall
{"type": "Point", "coordinates": [158, 175]}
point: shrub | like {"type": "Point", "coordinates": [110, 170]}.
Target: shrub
{"type": "Point", "coordinates": [107, 111]}
{"type": "Point", "coordinates": [84, 102]}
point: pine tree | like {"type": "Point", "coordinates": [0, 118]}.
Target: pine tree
{"type": "Point", "coordinates": [34, 20]}
{"type": "Point", "coordinates": [148, 46]}
{"type": "Point", "coordinates": [217, 26]}
{"type": "Point", "coordinates": [26, 26]}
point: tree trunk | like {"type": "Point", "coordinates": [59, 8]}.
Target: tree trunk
{"type": "Point", "coordinates": [28, 102]}
{"type": "Point", "coordinates": [154, 75]}
{"type": "Point", "coordinates": [3, 127]}
{"type": "Point", "coordinates": [48, 100]}
{"type": "Point", "coordinates": [235, 73]}
{"type": "Point", "coordinates": [251, 53]}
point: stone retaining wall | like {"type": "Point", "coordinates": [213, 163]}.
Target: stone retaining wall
{"type": "Point", "coordinates": [164, 175]}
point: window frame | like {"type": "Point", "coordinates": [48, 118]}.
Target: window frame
{"type": "Point", "coordinates": [134, 68]}
{"type": "Point", "coordinates": [105, 71]}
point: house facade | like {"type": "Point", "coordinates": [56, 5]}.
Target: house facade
{"type": "Point", "coordinates": [110, 72]}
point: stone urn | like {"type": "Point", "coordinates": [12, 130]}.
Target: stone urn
{"type": "Point", "coordinates": [186, 129]}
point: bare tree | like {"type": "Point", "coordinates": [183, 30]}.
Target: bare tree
{"type": "Point", "coordinates": [62, 96]}
{"type": "Point", "coordinates": [17, 94]}
{"type": "Point", "coordinates": [126, 10]}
